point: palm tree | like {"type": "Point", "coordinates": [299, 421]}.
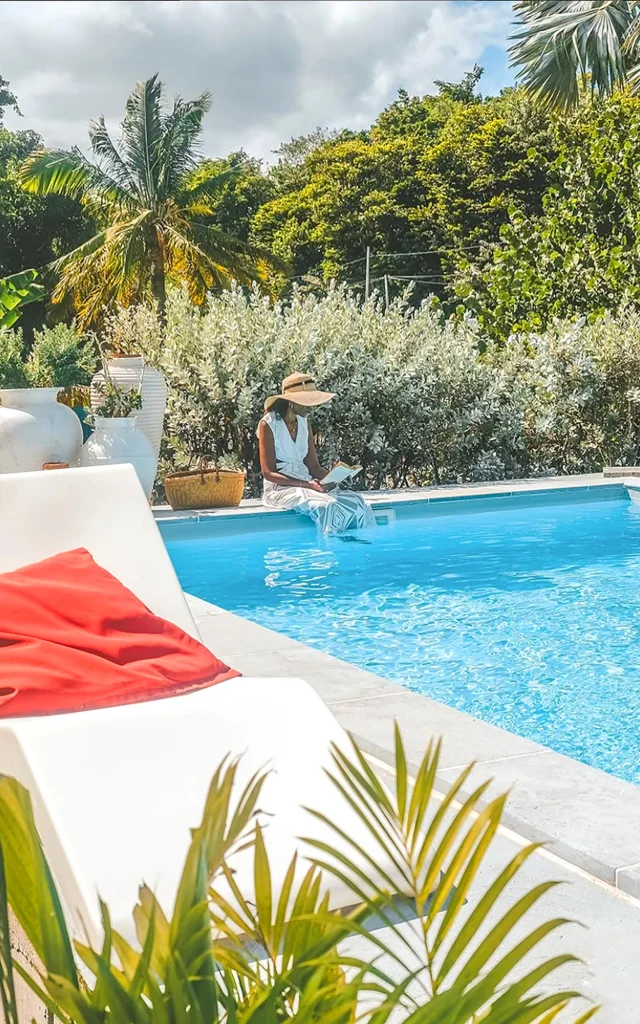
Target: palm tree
{"type": "Point", "coordinates": [562, 47]}
{"type": "Point", "coordinates": [152, 204]}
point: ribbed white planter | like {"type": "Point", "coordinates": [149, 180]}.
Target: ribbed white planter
{"type": "Point", "coordinates": [127, 372]}
{"type": "Point", "coordinates": [35, 428]}
{"type": "Point", "coordinates": [117, 440]}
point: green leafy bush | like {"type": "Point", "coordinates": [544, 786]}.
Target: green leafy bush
{"type": "Point", "coordinates": [12, 369]}
{"type": "Point", "coordinates": [576, 392]}
{"type": "Point", "coordinates": [60, 357]}
{"type": "Point", "coordinates": [415, 402]}
{"type": "Point", "coordinates": [461, 952]}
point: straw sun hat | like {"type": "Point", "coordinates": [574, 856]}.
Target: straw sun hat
{"type": "Point", "coordinates": [301, 389]}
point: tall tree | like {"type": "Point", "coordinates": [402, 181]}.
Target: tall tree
{"type": "Point", "coordinates": [35, 229]}
{"type": "Point", "coordinates": [433, 176]}
{"type": "Point", "coordinates": [7, 99]}
{"type": "Point", "coordinates": [465, 90]}
{"type": "Point", "coordinates": [563, 45]}
{"type": "Point", "coordinates": [242, 193]}
{"type": "Point", "coordinates": [579, 256]}
{"type": "Point", "coordinates": [153, 204]}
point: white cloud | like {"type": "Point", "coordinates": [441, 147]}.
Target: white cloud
{"type": "Point", "coordinates": [277, 68]}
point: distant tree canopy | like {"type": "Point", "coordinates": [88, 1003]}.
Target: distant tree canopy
{"type": "Point", "coordinates": [433, 176]}
{"type": "Point", "coordinates": [503, 208]}
{"type": "Point", "coordinates": [33, 229]}
{"type": "Point", "coordinates": [580, 254]}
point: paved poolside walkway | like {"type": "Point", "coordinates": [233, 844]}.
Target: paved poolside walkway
{"type": "Point", "coordinates": [590, 820]}
{"type": "Point", "coordinates": [408, 495]}
{"type": "Point", "coordinates": [553, 797]}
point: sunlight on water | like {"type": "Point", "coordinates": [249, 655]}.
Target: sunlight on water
{"type": "Point", "coordinates": [527, 618]}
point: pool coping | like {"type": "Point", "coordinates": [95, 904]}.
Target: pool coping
{"type": "Point", "coordinates": [403, 497]}
{"type": "Point", "coordinates": [588, 817]}
{"type": "Point", "coordinates": [585, 816]}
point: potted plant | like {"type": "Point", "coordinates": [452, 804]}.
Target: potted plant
{"type": "Point", "coordinates": [35, 428]}
{"type": "Point", "coordinates": [127, 368]}
{"type": "Point", "coordinates": [116, 437]}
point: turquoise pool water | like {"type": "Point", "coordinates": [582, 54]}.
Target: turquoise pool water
{"type": "Point", "coordinates": [526, 617]}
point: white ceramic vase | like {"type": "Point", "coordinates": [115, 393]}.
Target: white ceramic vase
{"type": "Point", "coordinates": [117, 440]}
{"type": "Point", "coordinates": [35, 428]}
{"type": "Point", "coordinates": [132, 372]}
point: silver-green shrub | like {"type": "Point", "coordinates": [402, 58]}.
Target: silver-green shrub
{"type": "Point", "coordinates": [419, 401]}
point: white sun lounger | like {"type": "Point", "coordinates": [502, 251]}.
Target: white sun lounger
{"type": "Point", "coordinates": [116, 791]}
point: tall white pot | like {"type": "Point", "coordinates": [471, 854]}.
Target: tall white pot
{"type": "Point", "coordinates": [35, 428]}
{"type": "Point", "coordinates": [117, 440]}
{"type": "Point", "coordinates": [132, 372]}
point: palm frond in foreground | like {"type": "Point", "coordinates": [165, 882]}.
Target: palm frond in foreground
{"type": "Point", "coordinates": [283, 954]}
{"type": "Point", "coordinates": [561, 47]}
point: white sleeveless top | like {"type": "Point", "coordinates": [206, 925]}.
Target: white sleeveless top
{"type": "Point", "coordinates": [290, 454]}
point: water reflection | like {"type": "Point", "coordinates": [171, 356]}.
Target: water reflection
{"type": "Point", "coordinates": [526, 618]}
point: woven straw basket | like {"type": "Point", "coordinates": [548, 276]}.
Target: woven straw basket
{"type": "Point", "coordinates": [204, 488]}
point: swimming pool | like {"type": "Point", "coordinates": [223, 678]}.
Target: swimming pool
{"type": "Point", "coordinates": [526, 616]}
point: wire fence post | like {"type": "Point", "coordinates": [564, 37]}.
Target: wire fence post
{"type": "Point", "coordinates": [386, 291]}
{"type": "Point", "coordinates": [367, 274]}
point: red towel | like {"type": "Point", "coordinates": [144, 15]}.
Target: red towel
{"type": "Point", "coordinates": [73, 638]}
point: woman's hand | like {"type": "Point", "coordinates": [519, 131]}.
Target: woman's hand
{"type": "Point", "coordinates": [315, 485]}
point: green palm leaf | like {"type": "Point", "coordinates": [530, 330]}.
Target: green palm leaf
{"type": "Point", "coordinates": [106, 150]}
{"type": "Point", "coordinates": [17, 291]}
{"type": "Point", "coordinates": [152, 204]}
{"type": "Point", "coordinates": [561, 44]}
{"type": "Point", "coordinates": [225, 958]}
{"type": "Point", "coordinates": [7, 986]}
{"type": "Point", "coordinates": [443, 843]}
{"type": "Point", "coordinates": [30, 886]}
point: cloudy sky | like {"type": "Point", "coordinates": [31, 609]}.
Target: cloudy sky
{"type": "Point", "coordinates": [276, 68]}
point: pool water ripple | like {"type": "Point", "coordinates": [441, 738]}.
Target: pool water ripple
{"type": "Point", "coordinates": [527, 618]}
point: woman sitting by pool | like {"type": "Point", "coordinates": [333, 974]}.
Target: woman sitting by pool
{"type": "Point", "coordinates": [289, 462]}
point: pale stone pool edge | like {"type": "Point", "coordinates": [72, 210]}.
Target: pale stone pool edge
{"type": "Point", "coordinates": [253, 507]}
{"type": "Point", "coordinates": [587, 817]}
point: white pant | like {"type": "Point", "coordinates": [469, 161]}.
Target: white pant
{"type": "Point", "coordinates": [334, 511]}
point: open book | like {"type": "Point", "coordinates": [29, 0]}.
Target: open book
{"type": "Point", "coordinates": [341, 472]}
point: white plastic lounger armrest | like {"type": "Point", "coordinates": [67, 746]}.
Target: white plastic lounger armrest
{"type": "Point", "coordinates": [116, 791]}
{"type": "Point", "coordinates": [103, 509]}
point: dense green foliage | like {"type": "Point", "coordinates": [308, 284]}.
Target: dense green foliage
{"type": "Point", "coordinates": [466, 951]}
{"type": "Point", "coordinates": [497, 205]}
{"type": "Point", "coordinates": [33, 229]}
{"type": "Point", "coordinates": [16, 292]}
{"type": "Point", "coordinates": [59, 357]}
{"type": "Point", "coordinates": [435, 175]}
{"type": "Point", "coordinates": [581, 255]}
